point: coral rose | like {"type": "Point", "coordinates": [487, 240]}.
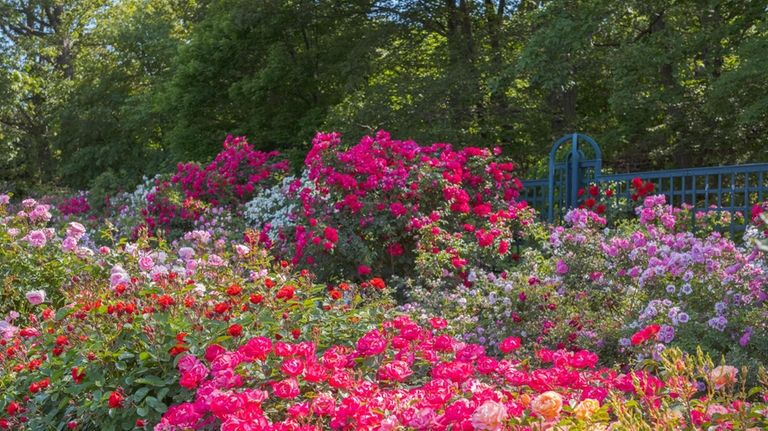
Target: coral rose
{"type": "Point", "coordinates": [723, 375]}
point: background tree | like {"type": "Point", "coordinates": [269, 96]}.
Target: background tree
{"type": "Point", "coordinates": [97, 94]}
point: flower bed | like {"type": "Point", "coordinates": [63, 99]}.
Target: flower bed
{"type": "Point", "coordinates": [220, 298]}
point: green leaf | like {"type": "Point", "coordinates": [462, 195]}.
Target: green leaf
{"type": "Point", "coordinates": [156, 404]}
{"type": "Point", "coordinates": [140, 394]}
{"type": "Point", "coordinates": [150, 380]}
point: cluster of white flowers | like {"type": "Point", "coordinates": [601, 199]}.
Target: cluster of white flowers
{"type": "Point", "coordinates": [137, 198]}
{"type": "Point", "coordinates": [753, 236]}
{"type": "Point", "coordinates": [275, 207]}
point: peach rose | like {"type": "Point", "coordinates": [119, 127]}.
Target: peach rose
{"type": "Point", "coordinates": [723, 375]}
{"type": "Point", "coordinates": [489, 416]}
{"type": "Point", "coordinates": [586, 408]}
{"type": "Point", "coordinates": [547, 405]}
{"type": "Point", "coordinates": [525, 400]}
{"type": "Point", "coordinates": [716, 409]}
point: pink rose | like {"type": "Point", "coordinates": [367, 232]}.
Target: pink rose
{"type": "Point", "coordinates": [510, 344]}
{"type": "Point", "coordinates": [75, 230]}
{"type": "Point", "coordinates": [36, 238]}
{"type": "Point", "coordinates": [242, 250]}
{"type": "Point", "coordinates": [146, 263]}
{"type": "Point", "coordinates": [69, 244]}
{"type": "Point", "coordinates": [489, 416]}
{"type": "Point", "coordinates": [35, 297]}
{"type": "Point", "coordinates": [396, 371]}
{"type": "Point", "coordinates": [288, 388]}
{"type": "Point", "coordinates": [323, 405]}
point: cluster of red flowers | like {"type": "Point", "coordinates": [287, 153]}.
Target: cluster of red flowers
{"type": "Point", "coordinates": [74, 205]}
{"type": "Point", "coordinates": [595, 200]}
{"type": "Point", "coordinates": [591, 202]}
{"type": "Point", "coordinates": [645, 334]}
{"type": "Point", "coordinates": [641, 188]}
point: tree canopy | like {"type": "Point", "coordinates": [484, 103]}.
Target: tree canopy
{"type": "Point", "coordinates": [97, 93]}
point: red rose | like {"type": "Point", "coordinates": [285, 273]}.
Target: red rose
{"type": "Point", "coordinates": [115, 400]}
{"type": "Point", "coordinates": [77, 375]}
{"type": "Point", "coordinates": [221, 307]}
{"type": "Point", "coordinates": [510, 344]}
{"type": "Point", "coordinates": [165, 301]}
{"type": "Point", "coordinates": [286, 292]}
{"type": "Point", "coordinates": [378, 283]}
{"type": "Point", "coordinates": [235, 330]}
{"type": "Point", "coordinates": [645, 334]}
{"type": "Point", "coordinates": [331, 235]}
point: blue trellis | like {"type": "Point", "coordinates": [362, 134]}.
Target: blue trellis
{"type": "Point", "coordinates": [575, 161]}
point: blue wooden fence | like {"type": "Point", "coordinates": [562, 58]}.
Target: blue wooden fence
{"type": "Point", "coordinates": [575, 162]}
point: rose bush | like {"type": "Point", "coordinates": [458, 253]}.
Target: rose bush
{"type": "Point", "coordinates": [364, 209]}
{"type": "Point", "coordinates": [592, 287]}
{"type": "Point", "coordinates": [405, 376]}
{"type": "Point", "coordinates": [101, 354]}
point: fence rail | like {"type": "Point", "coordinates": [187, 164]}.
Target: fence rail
{"type": "Point", "coordinates": [719, 189]}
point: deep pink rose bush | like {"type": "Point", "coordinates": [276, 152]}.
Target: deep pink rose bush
{"type": "Point", "coordinates": [405, 376]}
{"type": "Point", "coordinates": [196, 195]}
{"type": "Point", "coordinates": [366, 207]}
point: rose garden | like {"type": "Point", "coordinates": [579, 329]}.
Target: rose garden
{"type": "Point", "coordinates": [389, 286]}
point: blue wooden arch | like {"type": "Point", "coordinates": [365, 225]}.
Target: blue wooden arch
{"type": "Point", "coordinates": [571, 172]}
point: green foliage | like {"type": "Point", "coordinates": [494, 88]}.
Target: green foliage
{"type": "Point", "coordinates": [133, 86]}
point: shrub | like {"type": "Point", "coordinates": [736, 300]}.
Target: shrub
{"type": "Point", "coordinates": [104, 359]}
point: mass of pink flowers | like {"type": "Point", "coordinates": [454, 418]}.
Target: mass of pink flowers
{"type": "Point", "coordinates": [232, 178]}
{"type": "Point", "coordinates": [400, 375]}
{"type": "Point", "coordinates": [380, 181]}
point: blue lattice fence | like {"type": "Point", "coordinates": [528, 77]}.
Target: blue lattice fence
{"type": "Point", "coordinates": [575, 162]}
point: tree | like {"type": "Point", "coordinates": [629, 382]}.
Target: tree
{"type": "Point", "coordinates": [39, 40]}
{"type": "Point", "coordinates": [270, 70]}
